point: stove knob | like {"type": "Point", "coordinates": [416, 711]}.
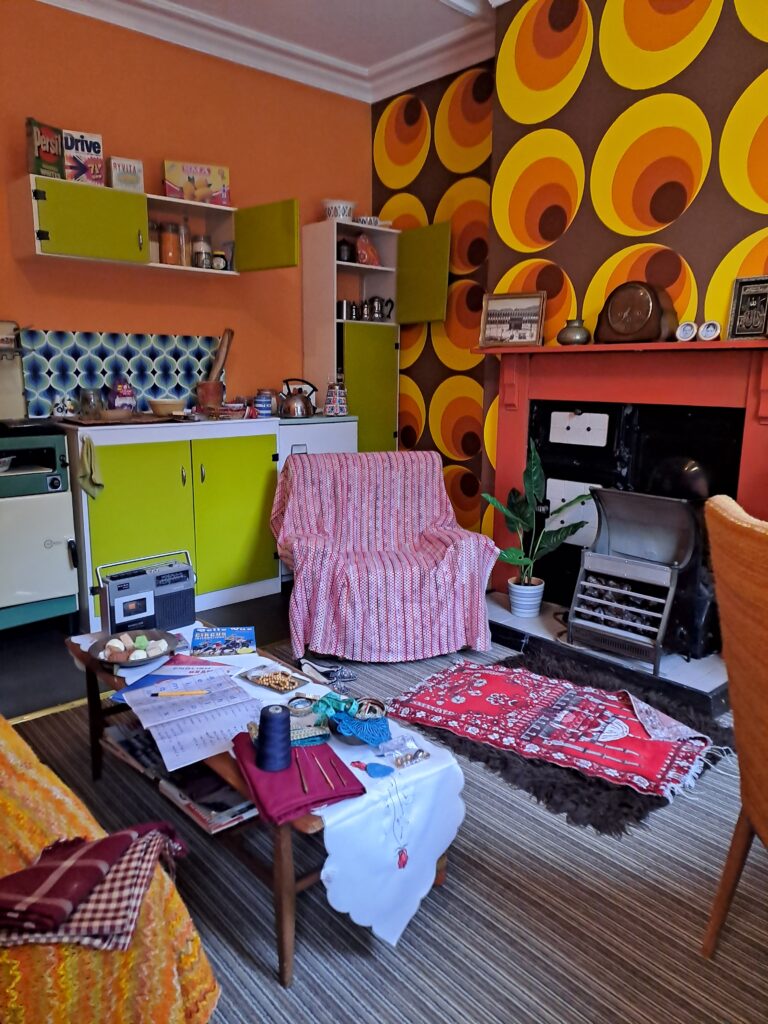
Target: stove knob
{"type": "Point", "coordinates": [54, 483]}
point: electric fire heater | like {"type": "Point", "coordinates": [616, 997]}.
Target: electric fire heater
{"type": "Point", "coordinates": [626, 584]}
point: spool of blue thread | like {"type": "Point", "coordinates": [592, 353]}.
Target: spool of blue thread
{"type": "Point", "coordinates": [273, 751]}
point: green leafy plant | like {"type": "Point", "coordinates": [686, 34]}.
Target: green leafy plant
{"type": "Point", "coordinates": [520, 516]}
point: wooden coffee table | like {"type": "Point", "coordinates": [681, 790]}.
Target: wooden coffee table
{"type": "Point", "coordinates": [280, 875]}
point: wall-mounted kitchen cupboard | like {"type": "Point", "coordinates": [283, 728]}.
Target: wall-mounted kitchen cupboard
{"type": "Point", "coordinates": [411, 280]}
{"type": "Point", "coordinates": [51, 217]}
{"type": "Point", "coordinates": [174, 490]}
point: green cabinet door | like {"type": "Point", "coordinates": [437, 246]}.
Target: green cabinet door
{"type": "Point", "coordinates": [267, 236]}
{"type": "Point", "coordinates": [235, 479]}
{"type": "Point", "coordinates": [91, 221]}
{"type": "Point", "coordinates": [370, 373]}
{"type": "Point", "coordinates": [146, 505]}
{"type": "Point", "coordinates": [422, 273]}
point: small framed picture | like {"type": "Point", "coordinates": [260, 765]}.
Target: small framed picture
{"type": "Point", "coordinates": [749, 308]}
{"type": "Point", "coordinates": [513, 319]}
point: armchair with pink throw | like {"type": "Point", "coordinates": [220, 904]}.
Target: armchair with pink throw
{"type": "Point", "coordinates": [382, 571]}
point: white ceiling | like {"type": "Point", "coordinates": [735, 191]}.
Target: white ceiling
{"type": "Point", "coordinates": [367, 49]}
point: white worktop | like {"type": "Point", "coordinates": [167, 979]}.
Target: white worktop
{"type": "Point", "coordinates": [191, 430]}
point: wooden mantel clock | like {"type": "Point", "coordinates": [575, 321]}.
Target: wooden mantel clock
{"type": "Point", "coordinates": [636, 311]}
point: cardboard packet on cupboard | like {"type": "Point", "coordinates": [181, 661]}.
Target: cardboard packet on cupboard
{"type": "Point", "coordinates": [45, 149]}
{"type": "Point", "coordinates": [202, 183]}
{"type": "Point", "coordinates": [83, 157]}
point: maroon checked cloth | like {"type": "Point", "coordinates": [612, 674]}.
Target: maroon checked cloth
{"type": "Point", "coordinates": [107, 917]}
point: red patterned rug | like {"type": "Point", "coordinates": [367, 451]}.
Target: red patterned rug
{"type": "Point", "coordinates": [610, 735]}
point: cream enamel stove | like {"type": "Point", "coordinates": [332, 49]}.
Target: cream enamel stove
{"type": "Point", "coordinates": [38, 556]}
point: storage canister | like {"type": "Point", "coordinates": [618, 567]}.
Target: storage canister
{"type": "Point", "coordinates": [154, 242]}
{"type": "Point", "coordinates": [170, 250]}
{"type": "Point", "coordinates": [202, 256]}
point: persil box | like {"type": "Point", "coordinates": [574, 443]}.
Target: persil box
{"type": "Point", "coordinates": [202, 183]}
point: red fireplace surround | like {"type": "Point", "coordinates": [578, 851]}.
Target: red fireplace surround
{"type": "Point", "coordinates": [731, 374]}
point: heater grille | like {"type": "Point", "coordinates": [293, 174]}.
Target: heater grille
{"type": "Point", "coordinates": [626, 584]}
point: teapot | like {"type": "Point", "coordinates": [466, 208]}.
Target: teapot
{"type": "Point", "coordinates": [381, 309]}
{"type": "Point", "coordinates": [297, 403]}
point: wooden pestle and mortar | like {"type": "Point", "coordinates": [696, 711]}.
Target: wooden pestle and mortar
{"type": "Point", "coordinates": [210, 392]}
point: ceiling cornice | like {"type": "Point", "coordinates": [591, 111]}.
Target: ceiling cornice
{"type": "Point", "coordinates": [217, 37]}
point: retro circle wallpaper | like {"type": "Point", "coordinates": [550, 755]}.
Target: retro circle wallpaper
{"type": "Point", "coordinates": [625, 139]}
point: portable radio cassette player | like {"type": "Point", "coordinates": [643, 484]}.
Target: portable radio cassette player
{"type": "Point", "coordinates": [157, 596]}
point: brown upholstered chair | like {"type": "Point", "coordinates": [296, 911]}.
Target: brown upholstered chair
{"type": "Point", "coordinates": [740, 559]}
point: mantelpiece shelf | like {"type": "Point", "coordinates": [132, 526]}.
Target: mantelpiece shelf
{"type": "Point", "coordinates": [374, 323]}
{"type": "Point", "coordinates": [644, 346]}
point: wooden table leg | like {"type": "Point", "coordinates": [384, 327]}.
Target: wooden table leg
{"type": "Point", "coordinates": [284, 892]}
{"type": "Point", "coordinates": [441, 870]}
{"type": "Point", "coordinates": [95, 721]}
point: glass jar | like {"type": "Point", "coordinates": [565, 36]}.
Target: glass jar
{"type": "Point", "coordinates": [91, 402]}
{"type": "Point", "coordinates": [170, 249]}
{"type": "Point", "coordinates": [202, 254]}
{"type": "Point", "coordinates": [154, 242]}
{"type": "Point", "coordinates": [185, 243]}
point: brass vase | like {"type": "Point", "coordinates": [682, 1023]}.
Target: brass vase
{"type": "Point", "coordinates": [574, 333]}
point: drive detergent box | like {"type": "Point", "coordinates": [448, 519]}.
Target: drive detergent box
{"type": "Point", "coordinates": [83, 157]}
{"type": "Point", "coordinates": [45, 149]}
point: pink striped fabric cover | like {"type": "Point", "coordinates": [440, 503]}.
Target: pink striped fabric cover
{"type": "Point", "coordinates": [382, 570]}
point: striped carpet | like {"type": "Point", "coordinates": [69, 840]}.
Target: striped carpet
{"type": "Point", "coordinates": [539, 922]}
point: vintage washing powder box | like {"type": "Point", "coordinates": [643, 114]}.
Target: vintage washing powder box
{"type": "Point", "coordinates": [45, 149]}
{"type": "Point", "coordinates": [202, 183]}
{"type": "Point", "coordinates": [83, 157]}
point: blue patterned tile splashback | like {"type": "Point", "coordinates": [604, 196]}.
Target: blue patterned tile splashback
{"type": "Point", "coordinates": [57, 364]}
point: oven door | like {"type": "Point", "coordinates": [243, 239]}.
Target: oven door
{"type": "Point", "coordinates": [36, 533]}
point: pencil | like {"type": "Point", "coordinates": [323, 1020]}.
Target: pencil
{"type": "Point", "coordinates": [325, 774]}
{"type": "Point", "coordinates": [178, 693]}
{"type": "Point", "coordinates": [301, 773]}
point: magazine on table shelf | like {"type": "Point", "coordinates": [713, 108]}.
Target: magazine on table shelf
{"type": "Point", "coordinates": [215, 641]}
{"type": "Point", "coordinates": [196, 789]}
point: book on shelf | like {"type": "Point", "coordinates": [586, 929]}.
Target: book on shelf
{"type": "Point", "coordinates": [197, 790]}
{"type": "Point", "coordinates": [215, 641]}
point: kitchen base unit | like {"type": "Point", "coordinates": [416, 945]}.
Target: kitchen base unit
{"type": "Point", "coordinates": [202, 487]}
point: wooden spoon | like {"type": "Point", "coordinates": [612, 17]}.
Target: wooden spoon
{"type": "Point", "coordinates": [217, 366]}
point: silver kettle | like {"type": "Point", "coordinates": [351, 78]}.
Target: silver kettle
{"type": "Point", "coordinates": [297, 403]}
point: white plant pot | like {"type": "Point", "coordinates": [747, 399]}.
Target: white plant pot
{"type": "Point", "coordinates": [525, 598]}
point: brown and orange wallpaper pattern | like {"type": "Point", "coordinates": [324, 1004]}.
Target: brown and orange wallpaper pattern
{"type": "Point", "coordinates": [630, 140]}
{"type": "Point", "coordinates": [431, 155]}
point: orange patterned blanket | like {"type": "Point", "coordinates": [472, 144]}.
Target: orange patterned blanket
{"type": "Point", "coordinates": [163, 976]}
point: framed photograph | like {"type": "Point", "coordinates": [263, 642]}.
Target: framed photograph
{"type": "Point", "coordinates": [513, 319]}
{"type": "Point", "coordinates": [749, 308]}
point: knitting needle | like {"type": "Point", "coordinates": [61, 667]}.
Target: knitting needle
{"type": "Point", "coordinates": [301, 773]}
{"type": "Point", "coordinates": [325, 774]}
{"type": "Point", "coordinates": [178, 693]}
{"type": "Point", "coordinates": [336, 768]}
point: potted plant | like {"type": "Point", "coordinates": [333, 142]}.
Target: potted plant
{"type": "Point", "coordinates": [520, 515]}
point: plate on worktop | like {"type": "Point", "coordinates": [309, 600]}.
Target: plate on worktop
{"type": "Point", "coordinates": [116, 641]}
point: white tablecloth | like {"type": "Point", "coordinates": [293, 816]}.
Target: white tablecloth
{"type": "Point", "coordinates": [382, 847]}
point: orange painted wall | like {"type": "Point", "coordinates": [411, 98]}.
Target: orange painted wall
{"type": "Point", "coordinates": [152, 100]}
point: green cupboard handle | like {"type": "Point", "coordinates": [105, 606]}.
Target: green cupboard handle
{"type": "Point", "coordinates": [202, 473]}
{"type": "Point", "coordinates": [183, 477]}
{"type": "Point", "coordinates": [140, 238]}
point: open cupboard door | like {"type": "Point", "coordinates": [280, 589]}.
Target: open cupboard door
{"type": "Point", "coordinates": [422, 274]}
{"type": "Point", "coordinates": [267, 236]}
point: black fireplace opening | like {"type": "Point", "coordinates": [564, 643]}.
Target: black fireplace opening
{"type": "Point", "coordinates": [688, 452]}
